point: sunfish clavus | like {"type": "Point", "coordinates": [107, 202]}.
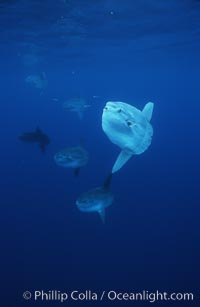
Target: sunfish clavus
{"type": "Point", "coordinates": [127, 127]}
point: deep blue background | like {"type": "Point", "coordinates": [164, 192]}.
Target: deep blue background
{"type": "Point", "coordinates": [150, 239]}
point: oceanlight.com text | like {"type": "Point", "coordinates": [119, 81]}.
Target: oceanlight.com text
{"type": "Point", "coordinates": [110, 295]}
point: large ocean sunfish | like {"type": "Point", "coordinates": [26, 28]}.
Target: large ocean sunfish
{"type": "Point", "coordinates": [127, 127]}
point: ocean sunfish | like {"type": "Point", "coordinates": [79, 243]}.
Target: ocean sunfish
{"type": "Point", "coordinates": [38, 81]}
{"type": "Point", "coordinates": [72, 157]}
{"type": "Point", "coordinates": [77, 105]}
{"type": "Point", "coordinates": [36, 136]}
{"type": "Point", "coordinates": [96, 200]}
{"type": "Point", "coordinates": [127, 127]}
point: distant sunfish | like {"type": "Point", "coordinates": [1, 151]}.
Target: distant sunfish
{"type": "Point", "coordinates": [96, 200]}
{"type": "Point", "coordinates": [127, 127]}
{"type": "Point", "coordinates": [36, 136]}
{"type": "Point", "coordinates": [77, 105]}
{"type": "Point", "coordinates": [38, 80]}
{"type": "Point", "coordinates": [73, 157]}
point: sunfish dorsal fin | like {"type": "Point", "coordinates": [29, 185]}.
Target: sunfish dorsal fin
{"type": "Point", "coordinates": [102, 214]}
{"type": "Point", "coordinates": [123, 157]}
{"type": "Point", "coordinates": [148, 110]}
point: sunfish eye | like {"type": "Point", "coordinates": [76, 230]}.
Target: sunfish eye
{"type": "Point", "coordinates": [129, 123]}
{"type": "Point", "coordinates": [119, 110]}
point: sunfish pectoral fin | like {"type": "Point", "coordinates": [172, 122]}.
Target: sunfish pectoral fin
{"type": "Point", "coordinates": [148, 110]}
{"type": "Point", "coordinates": [102, 214]}
{"type": "Point", "coordinates": [123, 157]}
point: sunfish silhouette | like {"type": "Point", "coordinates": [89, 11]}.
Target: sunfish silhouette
{"type": "Point", "coordinates": [36, 137]}
{"type": "Point", "coordinates": [128, 128]}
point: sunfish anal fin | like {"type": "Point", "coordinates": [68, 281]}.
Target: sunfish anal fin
{"type": "Point", "coordinates": [123, 157]}
{"type": "Point", "coordinates": [77, 171]}
{"type": "Point", "coordinates": [108, 181]}
{"type": "Point", "coordinates": [102, 214]}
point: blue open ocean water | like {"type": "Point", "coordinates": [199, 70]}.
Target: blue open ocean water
{"type": "Point", "coordinates": [53, 53]}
